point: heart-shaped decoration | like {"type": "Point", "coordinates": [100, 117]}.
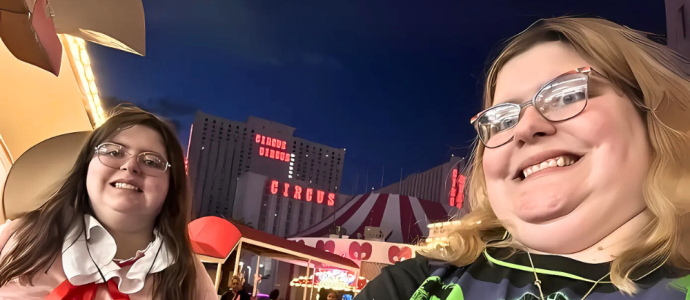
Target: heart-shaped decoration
{"type": "Point", "coordinates": [355, 250]}
{"type": "Point", "coordinates": [328, 246]}
{"type": "Point", "coordinates": [396, 254]}
{"type": "Point", "coordinates": [366, 251]}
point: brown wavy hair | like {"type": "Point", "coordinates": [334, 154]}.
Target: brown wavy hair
{"type": "Point", "coordinates": [40, 233]}
{"type": "Point", "coordinates": [657, 80]}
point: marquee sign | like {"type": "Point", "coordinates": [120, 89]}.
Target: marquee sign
{"type": "Point", "coordinates": [334, 279]}
{"type": "Point", "coordinates": [457, 195]}
{"type": "Point", "coordinates": [298, 193]}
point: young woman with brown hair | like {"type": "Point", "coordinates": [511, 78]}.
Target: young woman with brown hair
{"type": "Point", "coordinates": [579, 182]}
{"type": "Point", "coordinates": [117, 226]}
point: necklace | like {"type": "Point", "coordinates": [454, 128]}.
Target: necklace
{"type": "Point", "coordinates": [537, 282]}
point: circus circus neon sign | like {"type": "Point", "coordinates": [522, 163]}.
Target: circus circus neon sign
{"type": "Point", "coordinates": [298, 193]}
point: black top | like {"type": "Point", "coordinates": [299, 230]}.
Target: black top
{"type": "Point", "coordinates": [497, 275]}
{"type": "Point", "coordinates": [229, 295]}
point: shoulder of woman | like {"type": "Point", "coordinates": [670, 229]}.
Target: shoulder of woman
{"type": "Point", "coordinates": [205, 288]}
{"type": "Point", "coordinates": [397, 282]}
{"type": "Point", "coordinates": [7, 229]}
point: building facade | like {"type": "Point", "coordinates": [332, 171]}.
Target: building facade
{"type": "Point", "coordinates": [220, 151]}
{"type": "Point", "coordinates": [282, 207]}
{"type": "Point", "coordinates": [435, 184]}
{"type": "Point", "coordinates": [677, 26]}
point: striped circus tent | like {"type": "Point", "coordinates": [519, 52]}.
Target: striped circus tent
{"type": "Point", "coordinates": [403, 219]}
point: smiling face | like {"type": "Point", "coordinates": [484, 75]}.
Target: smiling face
{"type": "Point", "coordinates": [568, 205]}
{"type": "Point", "coordinates": [127, 190]}
{"type": "Point", "coordinates": [236, 284]}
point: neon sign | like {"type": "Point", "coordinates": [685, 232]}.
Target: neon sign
{"type": "Point", "coordinates": [456, 189]}
{"type": "Point", "coordinates": [270, 142]}
{"type": "Point", "coordinates": [274, 154]}
{"type": "Point", "coordinates": [298, 193]}
{"type": "Point", "coordinates": [338, 280]}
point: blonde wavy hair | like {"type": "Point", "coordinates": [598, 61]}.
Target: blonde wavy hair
{"type": "Point", "coordinates": [656, 79]}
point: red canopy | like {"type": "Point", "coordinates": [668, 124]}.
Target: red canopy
{"type": "Point", "coordinates": [213, 236]}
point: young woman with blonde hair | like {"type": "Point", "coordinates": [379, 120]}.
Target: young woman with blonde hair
{"type": "Point", "coordinates": [579, 187]}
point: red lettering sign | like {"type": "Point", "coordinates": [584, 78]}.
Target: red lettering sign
{"type": "Point", "coordinates": [274, 187]}
{"type": "Point", "coordinates": [460, 197]}
{"type": "Point", "coordinates": [331, 199]}
{"type": "Point", "coordinates": [456, 195]}
{"type": "Point", "coordinates": [310, 194]}
{"type": "Point", "coordinates": [273, 143]}
{"type": "Point", "coordinates": [298, 193]}
{"type": "Point", "coordinates": [285, 192]}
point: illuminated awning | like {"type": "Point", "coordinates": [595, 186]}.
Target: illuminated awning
{"type": "Point", "coordinates": [213, 245]}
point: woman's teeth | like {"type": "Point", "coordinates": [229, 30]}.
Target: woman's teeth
{"type": "Point", "coordinates": [560, 161]}
{"type": "Point", "coordinates": [127, 186]}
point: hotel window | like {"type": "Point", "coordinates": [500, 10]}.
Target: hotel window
{"type": "Point", "coordinates": [301, 215]}
{"type": "Point", "coordinates": [289, 219]}
{"type": "Point", "coordinates": [263, 209]}
{"type": "Point", "coordinates": [276, 215]}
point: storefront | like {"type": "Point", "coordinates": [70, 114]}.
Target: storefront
{"type": "Point", "coordinates": [221, 245]}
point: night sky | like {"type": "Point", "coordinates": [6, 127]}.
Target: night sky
{"type": "Point", "coordinates": [394, 82]}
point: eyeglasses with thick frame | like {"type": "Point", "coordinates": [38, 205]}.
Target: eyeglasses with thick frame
{"type": "Point", "coordinates": [151, 163]}
{"type": "Point", "coordinates": [552, 111]}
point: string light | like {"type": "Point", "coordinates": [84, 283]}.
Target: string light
{"type": "Point", "coordinates": [82, 61]}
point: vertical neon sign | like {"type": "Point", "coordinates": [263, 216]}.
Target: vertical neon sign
{"type": "Point", "coordinates": [457, 195]}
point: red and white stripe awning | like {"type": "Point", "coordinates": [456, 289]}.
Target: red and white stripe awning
{"type": "Point", "coordinates": [404, 218]}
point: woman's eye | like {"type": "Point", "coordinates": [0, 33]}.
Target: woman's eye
{"type": "Point", "coordinates": [113, 152]}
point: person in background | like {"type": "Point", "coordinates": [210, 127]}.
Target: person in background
{"type": "Point", "coordinates": [117, 226]}
{"type": "Point", "coordinates": [274, 295]}
{"type": "Point", "coordinates": [332, 296]}
{"type": "Point", "coordinates": [579, 183]}
{"type": "Point", "coordinates": [236, 291]}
